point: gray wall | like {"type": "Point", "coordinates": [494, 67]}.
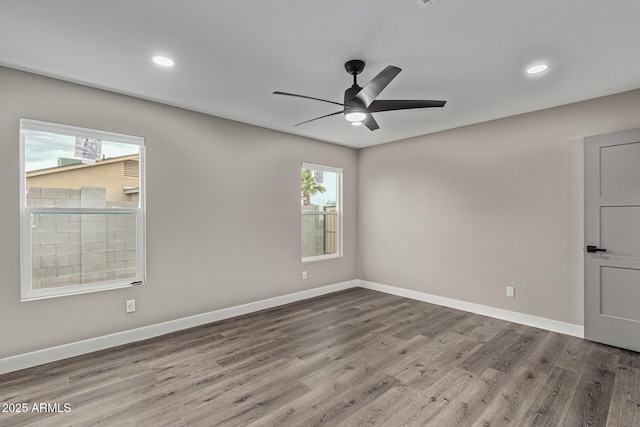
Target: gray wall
{"type": "Point", "coordinates": [460, 214]}
{"type": "Point", "coordinates": [466, 212]}
{"type": "Point", "coordinates": [223, 222]}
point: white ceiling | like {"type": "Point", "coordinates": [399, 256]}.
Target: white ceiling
{"type": "Point", "coordinates": [231, 55]}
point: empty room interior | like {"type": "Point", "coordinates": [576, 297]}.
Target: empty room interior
{"type": "Point", "coordinates": [407, 213]}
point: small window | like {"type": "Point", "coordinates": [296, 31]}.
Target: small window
{"type": "Point", "coordinates": [82, 210]}
{"type": "Point", "coordinates": [321, 204]}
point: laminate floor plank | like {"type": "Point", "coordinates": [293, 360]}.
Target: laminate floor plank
{"type": "Point", "coordinates": [510, 406]}
{"type": "Point", "coordinates": [624, 410]}
{"type": "Point", "coordinates": [437, 399]}
{"type": "Point", "coordinates": [546, 353]}
{"type": "Point", "coordinates": [456, 355]}
{"type": "Point", "coordinates": [466, 407]}
{"type": "Point", "coordinates": [341, 346]}
{"type": "Point", "coordinates": [431, 326]}
{"type": "Point", "coordinates": [274, 324]}
{"type": "Point", "coordinates": [493, 351]}
{"type": "Point", "coordinates": [400, 399]}
{"type": "Point", "coordinates": [549, 407]}
{"type": "Point", "coordinates": [479, 328]}
{"type": "Point", "coordinates": [591, 401]}
{"type": "Point", "coordinates": [252, 400]}
{"type": "Point", "coordinates": [382, 347]}
{"type": "Point", "coordinates": [423, 363]}
{"type": "Point", "coordinates": [333, 401]}
{"type": "Point", "coordinates": [377, 314]}
{"type": "Point", "coordinates": [407, 319]}
{"type": "Point", "coordinates": [511, 355]}
{"type": "Point", "coordinates": [576, 354]}
{"type": "Point", "coordinates": [627, 358]}
{"type": "Point", "coordinates": [352, 358]}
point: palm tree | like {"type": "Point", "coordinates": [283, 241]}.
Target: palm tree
{"type": "Point", "coordinates": [309, 186]}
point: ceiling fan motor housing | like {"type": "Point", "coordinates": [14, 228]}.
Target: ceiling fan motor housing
{"type": "Point", "coordinates": [354, 67]}
{"type": "Point", "coordinates": [350, 96]}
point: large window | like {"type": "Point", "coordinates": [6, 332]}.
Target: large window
{"type": "Point", "coordinates": [321, 204]}
{"type": "Point", "coordinates": [82, 210]}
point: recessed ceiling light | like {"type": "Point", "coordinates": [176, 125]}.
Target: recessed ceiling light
{"type": "Point", "coordinates": [163, 61]}
{"type": "Point", "coordinates": [537, 69]}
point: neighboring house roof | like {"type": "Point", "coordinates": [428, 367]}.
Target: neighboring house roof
{"type": "Point", "coordinates": [56, 169]}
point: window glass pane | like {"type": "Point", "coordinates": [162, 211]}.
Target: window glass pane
{"type": "Point", "coordinates": [319, 234]}
{"type": "Point", "coordinates": [319, 190]}
{"type": "Point", "coordinates": [320, 204]}
{"type": "Point", "coordinates": [72, 249]}
{"type": "Point", "coordinates": [77, 171]}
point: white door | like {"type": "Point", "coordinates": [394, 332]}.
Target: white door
{"type": "Point", "coordinates": [612, 239]}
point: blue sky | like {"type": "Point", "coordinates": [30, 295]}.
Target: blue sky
{"type": "Point", "coordinates": [42, 149]}
{"type": "Point", "coordinates": [330, 183]}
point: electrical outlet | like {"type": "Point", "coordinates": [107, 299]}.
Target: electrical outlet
{"type": "Point", "coordinates": [304, 275]}
{"type": "Point", "coordinates": [131, 306]}
{"type": "Point", "coordinates": [511, 292]}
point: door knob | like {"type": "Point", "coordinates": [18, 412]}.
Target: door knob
{"type": "Point", "coordinates": [595, 249]}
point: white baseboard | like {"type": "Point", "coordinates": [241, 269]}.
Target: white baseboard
{"type": "Point", "coordinates": [498, 313]}
{"type": "Point", "coordinates": [40, 357]}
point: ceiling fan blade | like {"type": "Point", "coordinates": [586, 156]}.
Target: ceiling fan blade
{"type": "Point", "coordinates": [306, 97]}
{"type": "Point", "coordinates": [318, 118]}
{"type": "Point", "coordinates": [390, 105]}
{"type": "Point", "coordinates": [369, 93]}
{"type": "Point", "coordinates": [370, 122]}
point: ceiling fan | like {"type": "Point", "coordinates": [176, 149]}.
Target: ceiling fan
{"type": "Point", "coordinates": [360, 102]}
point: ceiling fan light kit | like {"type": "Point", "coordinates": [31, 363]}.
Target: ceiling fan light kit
{"type": "Point", "coordinates": [355, 116]}
{"type": "Point", "coordinates": [537, 69]}
{"type": "Point", "coordinates": [360, 102]}
{"type": "Point", "coordinates": [163, 61]}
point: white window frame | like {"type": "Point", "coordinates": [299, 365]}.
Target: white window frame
{"type": "Point", "coordinates": [337, 213]}
{"type": "Point", "coordinates": [27, 292]}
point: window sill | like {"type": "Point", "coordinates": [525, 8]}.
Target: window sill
{"type": "Point", "coordinates": [320, 258]}
{"type": "Point", "coordinates": [41, 294]}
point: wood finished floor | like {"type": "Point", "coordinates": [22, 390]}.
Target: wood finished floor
{"type": "Point", "coordinates": [351, 358]}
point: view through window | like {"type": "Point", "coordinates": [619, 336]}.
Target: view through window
{"type": "Point", "coordinates": [321, 199]}
{"type": "Point", "coordinates": [82, 210]}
